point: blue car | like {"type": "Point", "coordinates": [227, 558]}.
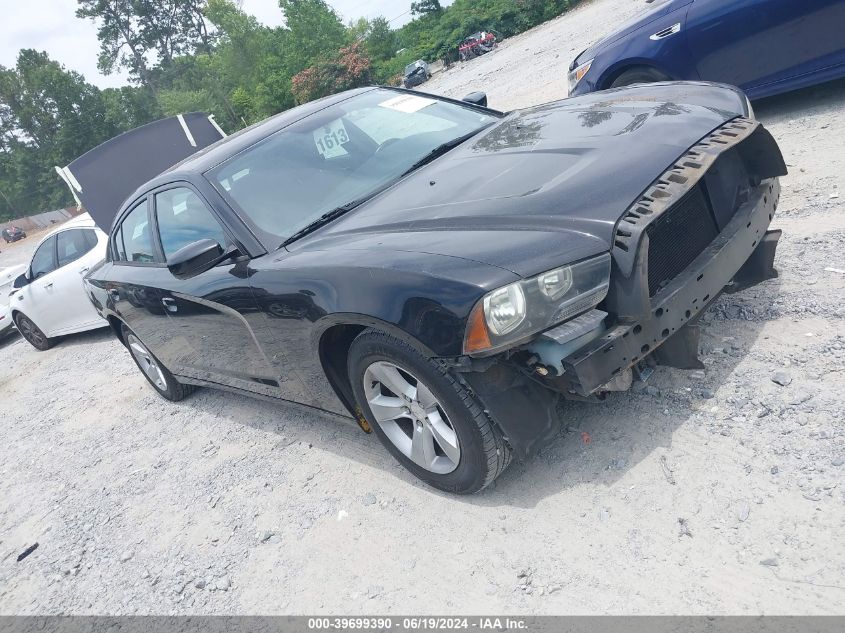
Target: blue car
{"type": "Point", "coordinates": [763, 46]}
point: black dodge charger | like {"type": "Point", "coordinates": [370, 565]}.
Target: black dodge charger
{"type": "Point", "coordinates": [438, 270]}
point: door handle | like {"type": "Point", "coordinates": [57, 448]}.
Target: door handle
{"type": "Point", "coordinates": [170, 304]}
{"type": "Point", "coordinates": [49, 285]}
{"type": "Point", "coordinates": [82, 271]}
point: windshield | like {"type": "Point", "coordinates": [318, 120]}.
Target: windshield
{"type": "Point", "coordinates": [411, 67]}
{"type": "Point", "coordinates": [338, 155]}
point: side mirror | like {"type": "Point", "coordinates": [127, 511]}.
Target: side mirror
{"type": "Point", "coordinates": [476, 98]}
{"type": "Point", "coordinates": [21, 281]}
{"type": "Point", "coordinates": [195, 258]}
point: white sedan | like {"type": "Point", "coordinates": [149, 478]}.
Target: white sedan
{"type": "Point", "coordinates": [49, 299]}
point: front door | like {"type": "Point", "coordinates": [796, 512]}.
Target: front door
{"type": "Point", "coordinates": [207, 313]}
{"type": "Point", "coordinates": [36, 299]}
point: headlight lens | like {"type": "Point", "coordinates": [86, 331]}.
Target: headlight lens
{"type": "Point", "coordinates": [577, 75]}
{"type": "Point", "coordinates": [555, 283]}
{"type": "Point", "coordinates": [513, 313]}
{"type": "Point", "coordinates": [504, 309]}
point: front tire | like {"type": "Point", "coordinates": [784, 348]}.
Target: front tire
{"type": "Point", "coordinates": [156, 374]}
{"type": "Point", "coordinates": [641, 75]}
{"type": "Point", "coordinates": [32, 333]}
{"type": "Point", "coordinates": [424, 415]}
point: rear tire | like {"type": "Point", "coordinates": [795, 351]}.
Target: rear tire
{"type": "Point", "coordinates": [32, 333]}
{"type": "Point", "coordinates": [464, 451]}
{"type": "Point", "coordinates": [156, 374]}
{"type": "Point", "coordinates": [640, 75]}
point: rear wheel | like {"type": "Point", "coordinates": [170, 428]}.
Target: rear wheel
{"type": "Point", "coordinates": [424, 416]}
{"type": "Point", "coordinates": [32, 333]}
{"type": "Point", "coordinates": [640, 75]}
{"type": "Point", "coordinates": [156, 374]}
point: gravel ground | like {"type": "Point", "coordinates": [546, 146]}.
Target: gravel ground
{"type": "Point", "coordinates": [701, 492]}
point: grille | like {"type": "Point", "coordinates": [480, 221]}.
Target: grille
{"type": "Point", "coordinates": [677, 237]}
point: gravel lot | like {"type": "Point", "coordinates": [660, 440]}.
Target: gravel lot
{"type": "Point", "coordinates": [702, 492]}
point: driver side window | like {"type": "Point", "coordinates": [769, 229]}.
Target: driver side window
{"type": "Point", "coordinates": [44, 260]}
{"type": "Point", "coordinates": [184, 219]}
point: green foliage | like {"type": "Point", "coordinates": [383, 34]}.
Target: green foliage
{"type": "Point", "coordinates": [49, 116]}
{"type": "Point", "coordinates": [380, 39]}
{"type": "Point", "coordinates": [131, 32]}
{"type": "Point", "coordinates": [314, 31]}
{"type": "Point", "coordinates": [348, 68]}
{"type": "Point", "coordinates": [424, 7]}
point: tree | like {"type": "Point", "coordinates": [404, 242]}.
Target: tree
{"type": "Point", "coordinates": [141, 35]}
{"type": "Point", "coordinates": [348, 68]}
{"type": "Point", "coordinates": [381, 39]}
{"type": "Point", "coordinates": [424, 7]}
{"type": "Point", "coordinates": [48, 117]}
{"type": "Point", "coordinates": [314, 30]}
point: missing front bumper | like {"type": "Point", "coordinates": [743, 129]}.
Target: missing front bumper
{"type": "Point", "coordinates": [742, 255]}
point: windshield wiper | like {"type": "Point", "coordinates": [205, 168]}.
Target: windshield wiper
{"type": "Point", "coordinates": [327, 217]}
{"type": "Point", "coordinates": [440, 150]}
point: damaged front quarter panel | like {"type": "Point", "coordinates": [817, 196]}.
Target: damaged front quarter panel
{"type": "Point", "coordinates": [524, 409]}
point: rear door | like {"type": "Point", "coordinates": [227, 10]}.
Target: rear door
{"type": "Point", "coordinates": [750, 43]}
{"type": "Point", "coordinates": [77, 250]}
{"type": "Point", "coordinates": [134, 276]}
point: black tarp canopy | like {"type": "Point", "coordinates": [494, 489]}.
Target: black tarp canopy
{"type": "Point", "coordinates": [102, 178]}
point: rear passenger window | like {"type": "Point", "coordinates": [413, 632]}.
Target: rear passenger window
{"type": "Point", "coordinates": [72, 245]}
{"type": "Point", "coordinates": [135, 236]}
{"type": "Point", "coordinates": [183, 219]}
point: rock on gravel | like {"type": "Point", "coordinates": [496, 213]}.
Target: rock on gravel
{"type": "Point", "coordinates": [782, 378]}
{"type": "Point", "coordinates": [223, 583]}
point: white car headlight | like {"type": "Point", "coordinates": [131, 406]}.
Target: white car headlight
{"type": "Point", "coordinates": [555, 283]}
{"type": "Point", "coordinates": [504, 309]}
{"type": "Point", "coordinates": [514, 313]}
{"type": "Point", "coordinates": [577, 75]}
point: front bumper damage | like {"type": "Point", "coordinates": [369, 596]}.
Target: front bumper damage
{"type": "Point", "coordinates": [737, 166]}
{"type": "Point", "coordinates": [744, 251]}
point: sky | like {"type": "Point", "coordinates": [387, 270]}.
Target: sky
{"type": "Point", "coordinates": [52, 26]}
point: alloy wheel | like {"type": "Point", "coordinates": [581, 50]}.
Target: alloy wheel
{"type": "Point", "coordinates": [31, 332]}
{"type": "Point", "coordinates": [146, 362]}
{"type": "Point", "coordinates": [410, 416]}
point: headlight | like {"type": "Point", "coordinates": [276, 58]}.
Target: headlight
{"type": "Point", "coordinates": [577, 75]}
{"type": "Point", "coordinates": [507, 316]}
{"type": "Point", "coordinates": [504, 309]}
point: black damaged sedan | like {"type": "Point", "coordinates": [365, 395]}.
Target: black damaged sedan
{"type": "Point", "coordinates": [440, 271]}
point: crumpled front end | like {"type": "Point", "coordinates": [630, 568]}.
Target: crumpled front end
{"type": "Point", "coordinates": [700, 229]}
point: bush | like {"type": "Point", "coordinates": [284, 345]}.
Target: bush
{"type": "Point", "coordinates": [348, 68]}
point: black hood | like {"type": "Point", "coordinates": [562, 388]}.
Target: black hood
{"type": "Point", "coordinates": [542, 187]}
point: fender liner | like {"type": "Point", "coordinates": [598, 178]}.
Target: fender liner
{"type": "Point", "coordinates": [524, 410]}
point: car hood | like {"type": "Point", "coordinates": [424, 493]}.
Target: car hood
{"type": "Point", "coordinates": [541, 187]}
{"type": "Point", "coordinates": [655, 13]}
